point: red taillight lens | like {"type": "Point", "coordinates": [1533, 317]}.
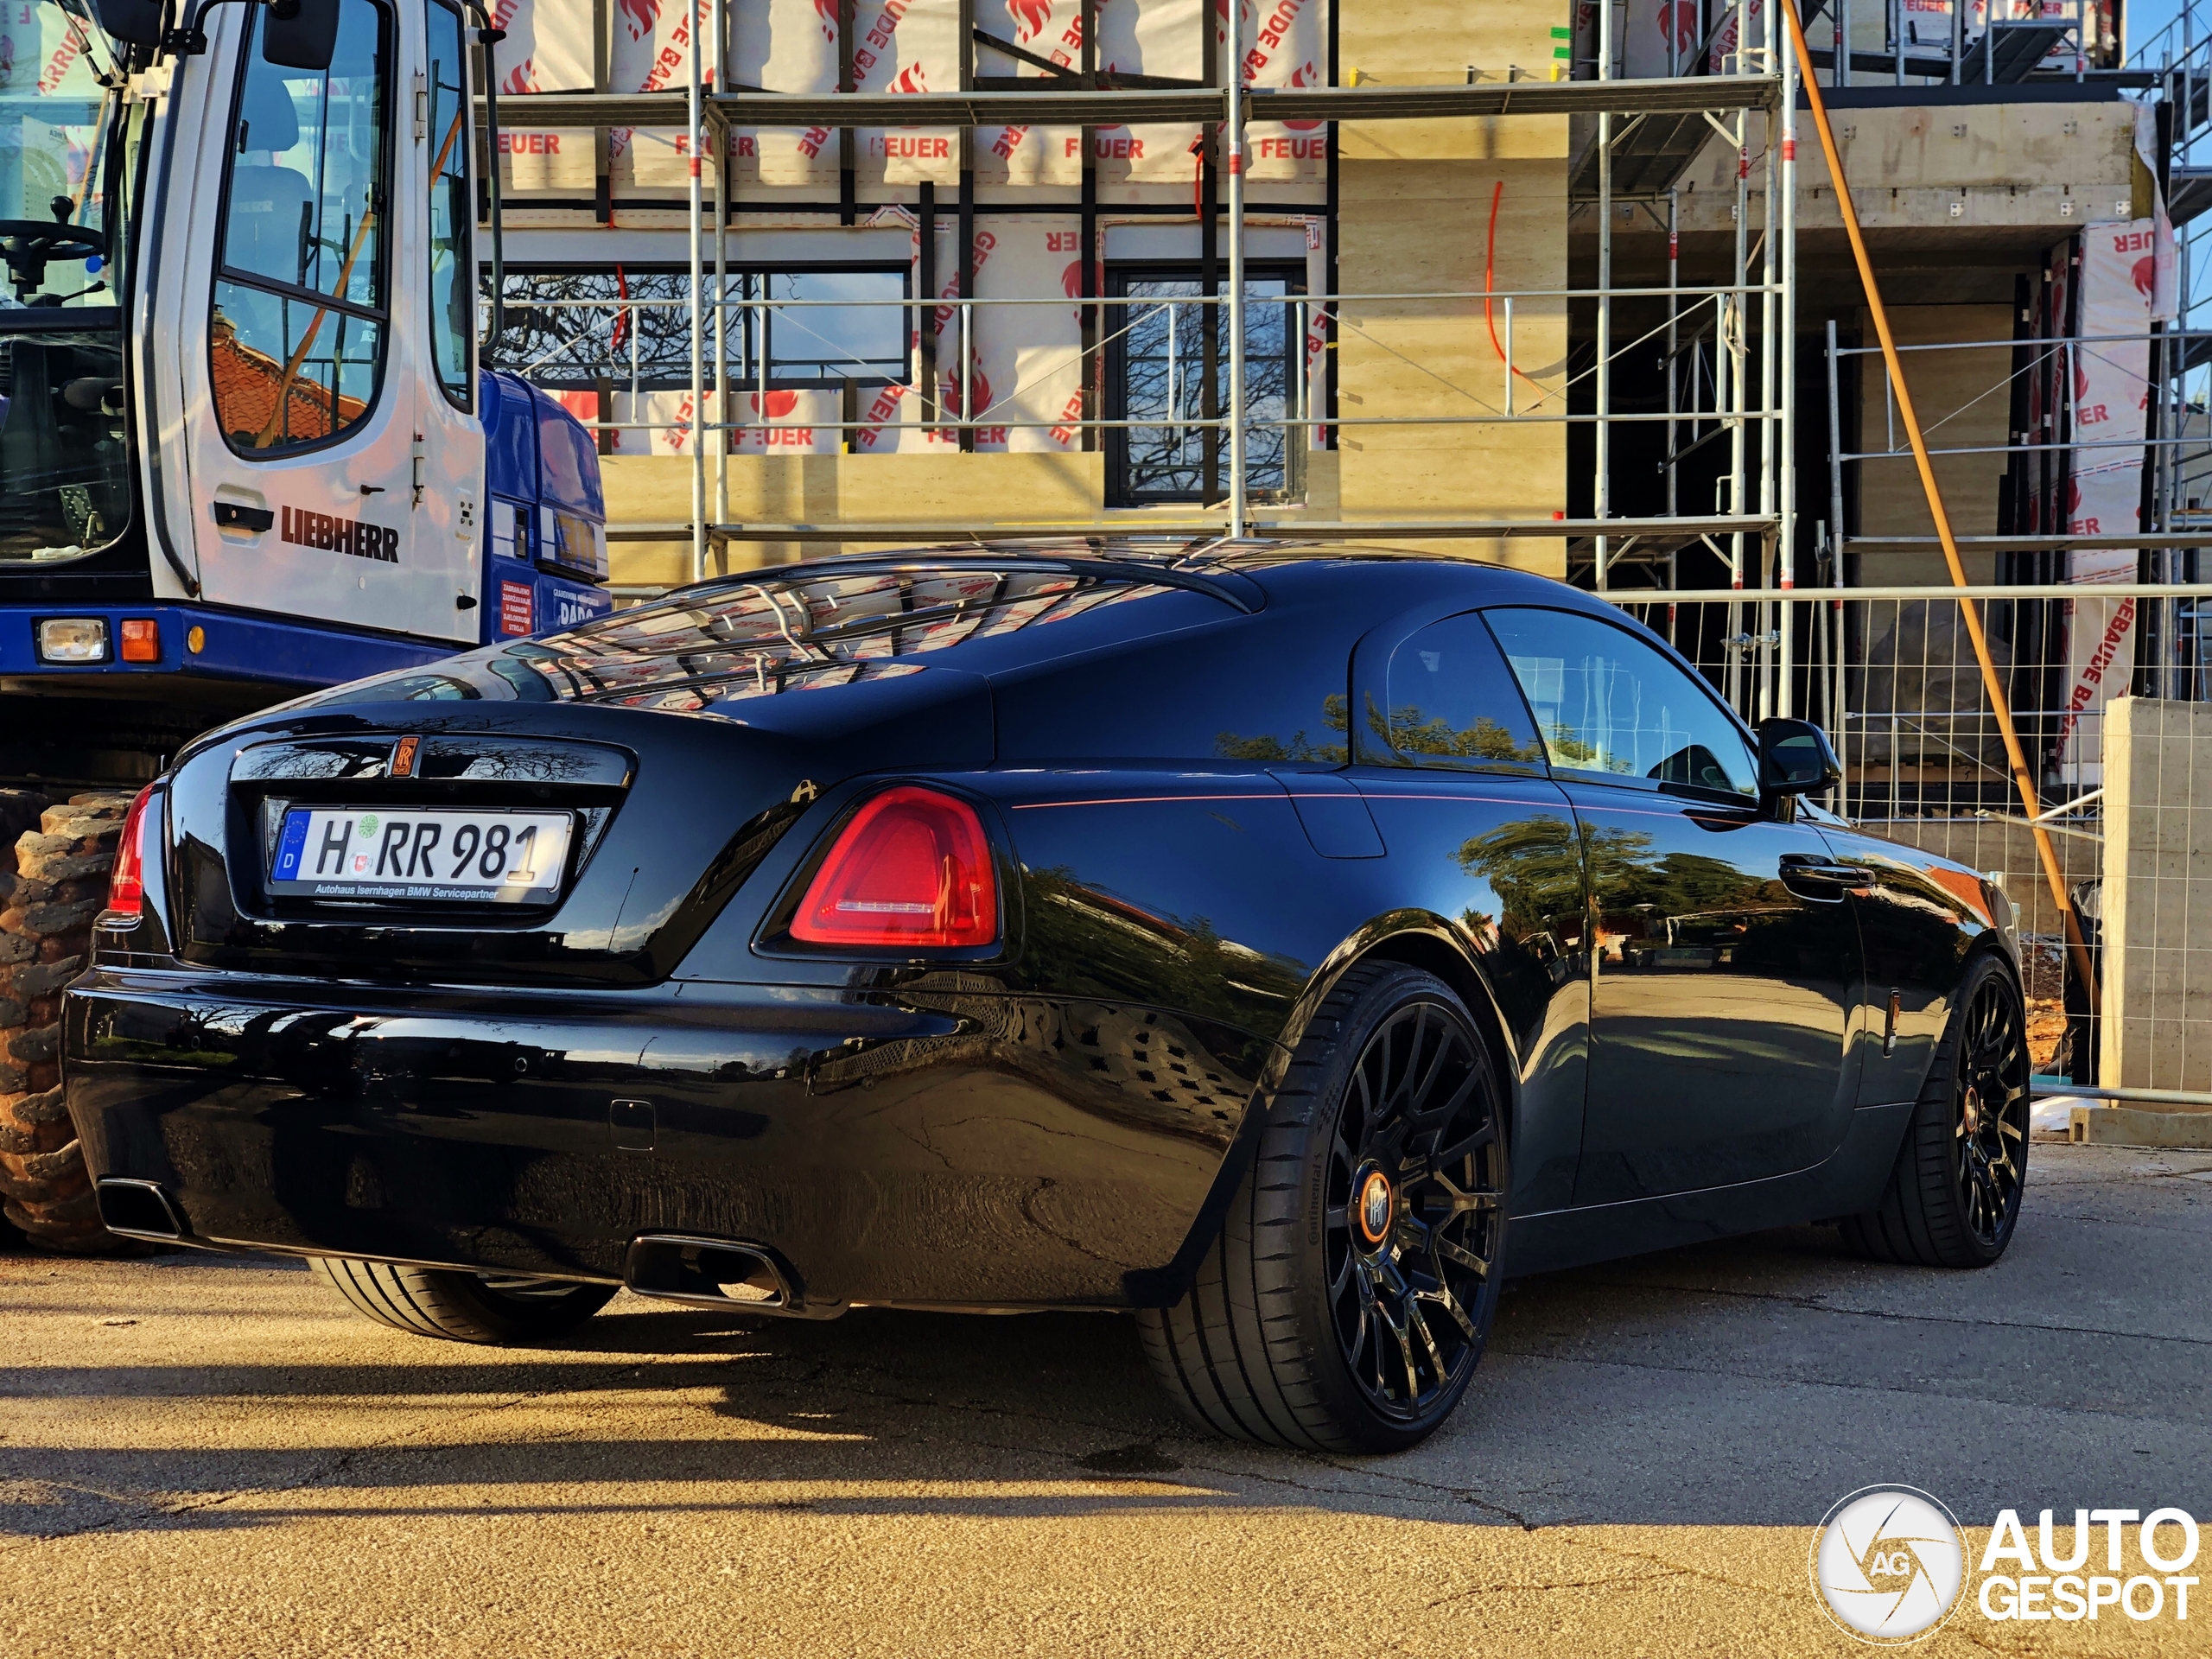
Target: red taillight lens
{"type": "Point", "coordinates": [126, 886]}
{"type": "Point", "coordinates": [913, 867]}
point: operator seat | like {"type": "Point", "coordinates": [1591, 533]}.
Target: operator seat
{"type": "Point", "coordinates": [267, 232]}
{"type": "Point", "coordinates": [271, 212]}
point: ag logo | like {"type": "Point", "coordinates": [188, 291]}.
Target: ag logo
{"type": "Point", "coordinates": [1888, 1563]}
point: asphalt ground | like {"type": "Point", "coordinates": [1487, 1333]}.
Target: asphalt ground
{"type": "Point", "coordinates": [211, 1456]}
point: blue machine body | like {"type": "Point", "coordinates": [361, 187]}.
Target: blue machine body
{"type": "Point", "coordinates": [544, 559]}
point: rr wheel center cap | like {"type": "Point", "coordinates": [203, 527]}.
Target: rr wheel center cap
{"type": "Point", "coordinates": [1376, 1206]}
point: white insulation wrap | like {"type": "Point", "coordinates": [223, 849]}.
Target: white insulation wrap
{"type": "Point", "coordinates": [902, 46]}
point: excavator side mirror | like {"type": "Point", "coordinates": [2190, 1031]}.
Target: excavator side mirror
{"type": "Point", "coordinates": [300, 34]}
{"type": "Point", "coordinates": [135, 22]}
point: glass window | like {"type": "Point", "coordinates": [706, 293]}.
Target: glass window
{"type": "Point", "coordinates": [1156, 372]}
{"type": "Point", "coordinates": [631, 326]}
{"type": "Point", "coordinates": [453, 297]}
{"type": "Point", "coordinates": [297, 341]}
{"type": "Point", "coordinates": [67, 148]}
{"type": "Point", "coordinates": [1451, 704]}
{"type": "Point", "coordinates": [1609, 703]}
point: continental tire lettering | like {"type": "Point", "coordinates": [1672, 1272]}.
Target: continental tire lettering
{"type": "Point", "coordinates": [329, 534]}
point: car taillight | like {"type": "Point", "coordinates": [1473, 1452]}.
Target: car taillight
{"type": "Point", "coordinates": [914, 868]}
{"type": "Point", "coordinates": [126, 886]}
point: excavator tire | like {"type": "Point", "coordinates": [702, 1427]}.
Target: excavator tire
{"type": "Point", "coordinates": [55, 861]}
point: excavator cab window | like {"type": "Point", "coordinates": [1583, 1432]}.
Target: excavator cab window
{"type": "Point", "coordinates": [297, 342]}
{"type": "Point", "coordinates": [65, 486]}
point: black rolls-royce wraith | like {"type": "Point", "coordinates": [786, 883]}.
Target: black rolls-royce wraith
{"type": "Point", "coordinates": [1284, 944]}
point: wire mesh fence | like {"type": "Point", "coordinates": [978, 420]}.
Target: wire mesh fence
{"type": "Point", "coordinates": [2106, 689]}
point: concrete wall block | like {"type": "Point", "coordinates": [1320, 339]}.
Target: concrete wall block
{"type": "Point", "coordinates": [2157, 897]}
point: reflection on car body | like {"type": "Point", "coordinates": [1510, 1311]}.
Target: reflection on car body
{"type": "Point", "coordinates": [1151, 951]}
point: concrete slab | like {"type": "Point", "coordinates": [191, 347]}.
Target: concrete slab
{"type": "Point", "coordinates": [2137, 1126]}
{"type": "Point", "coordinates": [201, 1456]}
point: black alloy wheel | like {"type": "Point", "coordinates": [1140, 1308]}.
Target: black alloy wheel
{"type": "Point", "coordinates": [1412, 1226]}
{"type": "Point", "coordinates": [1992, 1112]}
{"type": "Point", "coordinates": [1348, 1296]}
{"type": "Point", "coordinates": [1955, 1193]}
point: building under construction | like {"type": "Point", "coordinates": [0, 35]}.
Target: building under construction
{"type": "Point", "coordinates": [1555, 284]}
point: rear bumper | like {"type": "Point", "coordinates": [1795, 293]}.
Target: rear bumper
{"type": "Point", "coordinates": [928, 1148]}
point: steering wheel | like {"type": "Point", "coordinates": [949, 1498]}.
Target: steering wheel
{"type": "Point", "coordinates": [27, 245]}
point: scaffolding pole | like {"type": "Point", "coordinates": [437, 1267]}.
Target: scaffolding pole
{"type": "Point", "coordinates": [1233, 135]}
{"type": "Point", "coordinates": [694, 127]}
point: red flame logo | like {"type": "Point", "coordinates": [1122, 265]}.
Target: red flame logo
{"type": "Point", "coordinates": [2146, 275]}
{"type": "Point", "coordinates": [520, 78]}
{"type": "Point", "coordinates": [1071, 279]}
{"type": "Point", "coordinates": [910, 80]}
{"type": "Point", "coordinates": [2080, 381]}
{"type": "Point", "coordinates": [1031, 18]}
{"type": "Point", "coordinates": [956, 403]}
{"type": "Point", "coordinates": [1678, 24]}
{"type": "Point", "coordinates": [780, 404]}
{"type": "Point", "coordinates": [826, 11]}
{"type": "Point", "coordinates": [641, 15]}
{"type": "Point", "coordinates": [584, 405]}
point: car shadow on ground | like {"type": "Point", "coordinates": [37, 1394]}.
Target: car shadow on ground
{"type": "Point", "coordinates": [1751, 1381]}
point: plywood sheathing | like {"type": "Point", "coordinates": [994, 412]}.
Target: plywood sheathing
{"type": "Point", "coordinates": [2060, 165]}
{"type": "Point", "coordinates": [1963, 402]}
{"type": "Point", "coordinates": [1414, 208]}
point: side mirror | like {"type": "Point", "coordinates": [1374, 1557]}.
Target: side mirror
{"type": "Point", "coordinates": [299, 33]}
{"type": "Point", "coordinates": [1795, 759]}
{"type": "Point", "coordinates": [135, 23]}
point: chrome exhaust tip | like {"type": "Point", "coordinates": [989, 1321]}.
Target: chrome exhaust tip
{"type": "Point", "coordinates": [139, 1209]}
{"type": "Point", "coordinates": [719, 1272]}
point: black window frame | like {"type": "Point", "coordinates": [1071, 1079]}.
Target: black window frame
{"type": "Point", "coordinates": [464, 223]}
{"type": "Point", "coordinates": [388, 36]}
{"type": "Point", "coordinates": [575, 371]}
{"type": "Point", "coordinates": [1214, 480]}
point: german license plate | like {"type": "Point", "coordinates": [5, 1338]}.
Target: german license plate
{"type": "Point", "coordinates": [453, 853]}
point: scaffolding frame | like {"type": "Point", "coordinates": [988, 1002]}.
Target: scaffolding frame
{"type": "Point", "coordinates": [1761, 77]}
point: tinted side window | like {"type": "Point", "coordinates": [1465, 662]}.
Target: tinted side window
{"type": "Point", "coordinates": [1607, 703]}
{"type": "Point", "coordinates": [1451, 702]}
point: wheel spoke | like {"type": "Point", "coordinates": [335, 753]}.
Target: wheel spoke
{"type": "Point", "coordinates": [1478, 1201]}
{"type": "Point", "coordinates": [1427, 1341]}
{"type": "Point", "coordinates": [1449, 1304]}
{"type": "Point", "coordinates": [1466, 1258]}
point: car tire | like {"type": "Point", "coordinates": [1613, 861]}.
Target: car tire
{"type": "Point", "coordinates": [1332, 1314]}
{"type": "Point", "coordinates": [495, 1309]}
{"type": "Point", "coordinates": [1953, 1195]}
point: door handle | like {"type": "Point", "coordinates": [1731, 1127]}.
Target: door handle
{"type": "Point", "coordinates": [236, 515]}
{"type": "Point", "coordinates": [1822, 880]}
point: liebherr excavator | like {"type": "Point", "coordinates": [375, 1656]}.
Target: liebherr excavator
{"type": "Point", "coordinates": [246, 447]}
